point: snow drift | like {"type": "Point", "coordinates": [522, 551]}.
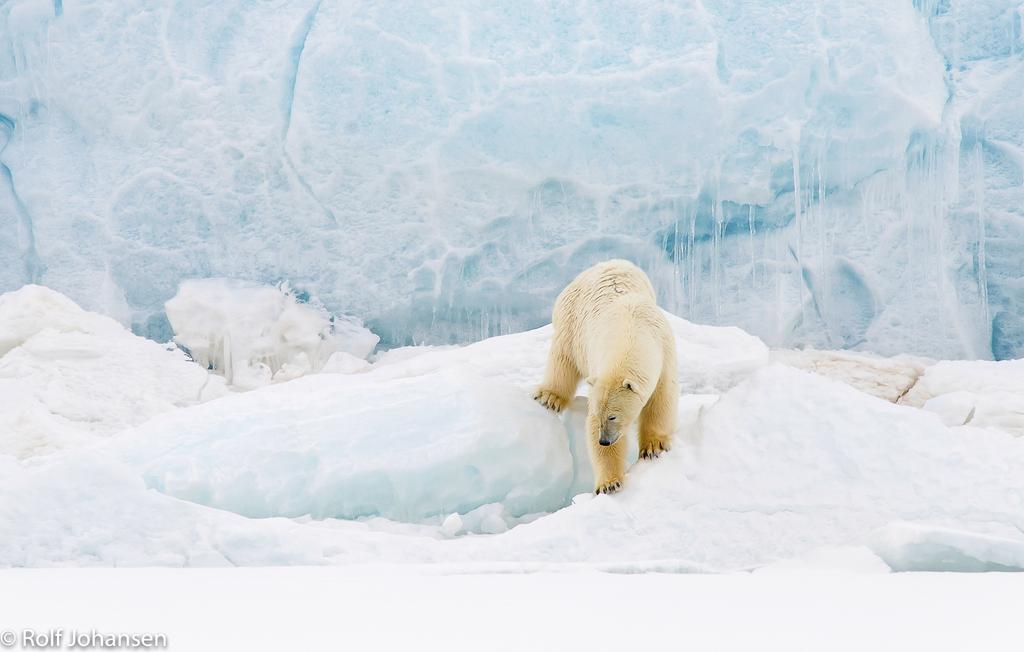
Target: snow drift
{"type": "Point", "coordinates": [68, 377]}
{"type": "Point", "coordinates": [437, 455]}
{"type": "Point", "coordinates": [977, 393]}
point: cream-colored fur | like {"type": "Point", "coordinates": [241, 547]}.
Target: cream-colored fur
{"type": "Point", "coordinates": [608, 329]}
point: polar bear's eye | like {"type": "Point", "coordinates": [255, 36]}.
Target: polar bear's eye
{"type": "Point", "coordinates": [611, 418]}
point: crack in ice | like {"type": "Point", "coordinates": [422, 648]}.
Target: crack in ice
{"type": "Point", "coordinates": [33, 265]}
{"type": "Point", "coordinates": [288, 103]}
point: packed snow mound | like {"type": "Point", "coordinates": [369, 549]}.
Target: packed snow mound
{"type": "Point", "coordinates": [88, 511]}
{"type": "Point", "coordinates": [33, 308]}
{"type": "Point", "coordinates": [784, 463]}
{"type": "Point", "coordinates": [887, 378]}
{"type": "Point", "coordinates": [980, 393]}
{"type": "Point", "coordinates": [68, 376]}
{"type": "Point", "coordinates": [253, 334]}
{"type": "Point", "coordinates": [785, 466]}
{"type": "Point", "coordinates": [443, 432]}
{"type": "Point", "coordinates": [827, 173]}
{"type": "Point", "coordinates": [713, 359]}
{"type": "Point", "coordinates": [349, 447]}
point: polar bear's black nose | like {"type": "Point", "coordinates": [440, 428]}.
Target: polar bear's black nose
{"type": "Point", "coordinates": [608, 436]}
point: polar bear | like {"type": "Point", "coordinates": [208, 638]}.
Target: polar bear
{"type": "Point", "coordinates": [608, 329]}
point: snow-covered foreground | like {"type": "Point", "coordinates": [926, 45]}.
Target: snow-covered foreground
{"type": "Point", "coordinates": [381, 609]}
{"type": "Point", "coordinates": [438, 456]}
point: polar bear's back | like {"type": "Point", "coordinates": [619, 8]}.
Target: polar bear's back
{"type": "Point", "coordinates": [601, 285]}
{"type": "Point", "coordinates": [604, 309]}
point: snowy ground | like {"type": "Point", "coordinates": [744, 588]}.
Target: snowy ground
{"type": "Point", "coordinates": [116, 451]}
{"type": "Point", "coordinates": [378, 609]}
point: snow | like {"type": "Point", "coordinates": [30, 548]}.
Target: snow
{"type": "Point", "coordinates": [976, 393]}
{"type": "Point", "coordinates": [351, 446]}
{"type": "Point", "coordinates": [830, 559]}
{"type": "Point", "coordinates": [887, 378]}
{"type": "Point", "coordinates": [253, 334]}
{"type": "Point", "coordinates": [786, 462]}
{"type": "Point", "coordinates": [344, 363]}
{"type": "Point", "coordinates": [915, 547]}
{"type": "Point", "coordinates": [70, 377]}
{"type": "Point", "coordinates": [445, 431]}
{"type": "Point", "coordinates": [132, 455]}
{"type": "Point", "coordinates": [838, 175]}
{"type": "Point", "coordinates": [212, 213]}
{"type": "Point", "coordinates": [982, 394]}
{"type": "Point", "coordinates": [256, 609]}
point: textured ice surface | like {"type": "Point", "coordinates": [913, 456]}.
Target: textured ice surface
{"type": "Point", "coordinates": [68, 377]}
{"type": "Point", "coordinates": [841, 174]}
{"type": "Point", "coordinates": [976, 393]}
{"type": "Point", "coordinates": [253, 334]}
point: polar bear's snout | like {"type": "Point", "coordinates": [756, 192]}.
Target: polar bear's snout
{"type": "Point", "coordinates": [609, 432]}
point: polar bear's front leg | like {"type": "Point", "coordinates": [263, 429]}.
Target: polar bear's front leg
{"type": "Point", "coordinates": [560, 380]}
{"type": "Point", "coordinates": [658, 419]}
{"type": "Point", "coordinates": [608, 462]}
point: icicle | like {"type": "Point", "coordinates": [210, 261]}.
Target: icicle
{"type": "Point", "coordinates": [979, 207]}
{"type": "Point", "coordinates": [798, 216]}
{"type": "Point", "coordinates": [753, 260]}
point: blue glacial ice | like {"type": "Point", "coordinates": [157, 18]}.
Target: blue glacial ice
{"type": "Point", "coordinates": [838, 174]}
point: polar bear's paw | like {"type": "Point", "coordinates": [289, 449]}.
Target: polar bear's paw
{"type": "Point", "coordinates": [609, 487]}
{"type": "Point", "coordinates": [653, 449]}
{"type": "Point", "coordinates": [550, 399]}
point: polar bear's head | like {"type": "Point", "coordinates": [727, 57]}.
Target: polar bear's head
{"type": "Point", "coordinates": [615, 406]}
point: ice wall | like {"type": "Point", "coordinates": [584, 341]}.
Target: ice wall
{"type": "Point", "coordinates": [835, 173]}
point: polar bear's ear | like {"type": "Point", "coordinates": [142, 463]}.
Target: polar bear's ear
{"type": "Point", "coordinates": [628, 384]}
